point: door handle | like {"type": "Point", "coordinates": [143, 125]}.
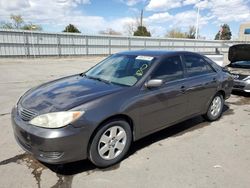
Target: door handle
{"type": "Point", "coordinates": [214, 80]}
{"type": "Point", "coordinates": [183, 89]}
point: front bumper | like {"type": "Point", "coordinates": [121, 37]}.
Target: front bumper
{"type": "Point", "coordinates": [241, 85]}
{"type": "Point", "coordinates": [54, 146]}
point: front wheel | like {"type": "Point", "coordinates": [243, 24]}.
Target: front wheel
{"type": "Point", "coordinates": [215, 108]}
{"type": "Point", "coordinates": [110, 143]}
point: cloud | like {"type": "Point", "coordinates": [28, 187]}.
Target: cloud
{"type": "Point", "coordinates": [188, 18]}
{"type": "Point", "coordinates": [159, 18]}
{"type": "Point", "coordinates": [190, 2]}
{"type": "Point", "coordinates": [54, 15]}
{"type": "Point", "coordinates": [14, 4]}
{"type": "Point", "coordinates": [132, 2]}
{"type": "Point", "coordinates": [159, 5]}
{"type": "Point", "coordinates": [224, 10]}
{"type": "Point", "coordinates": [230, 10]}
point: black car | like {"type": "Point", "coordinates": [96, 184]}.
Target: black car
{"type": "Point", "coordinates": [239, 67]}
{"type": "Point", "coordinates": [129, 95]}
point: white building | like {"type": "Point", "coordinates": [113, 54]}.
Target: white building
{"type": "Point", "coordinates": [244, 34]}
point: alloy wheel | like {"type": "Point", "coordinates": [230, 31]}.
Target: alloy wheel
{"type": "Point", "coordinates": [112, 143]}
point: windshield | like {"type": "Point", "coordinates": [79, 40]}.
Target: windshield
{"type": "Point", "coordinates": [241, 64]}
{"type": "Point", "coordinates": [121, 69]}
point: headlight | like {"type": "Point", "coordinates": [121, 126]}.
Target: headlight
{"type": "Point", "coordinates": [247, 79]}
{"type": "Point", "coordinates": [56, 119]}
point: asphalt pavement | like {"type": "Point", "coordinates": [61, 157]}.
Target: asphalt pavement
{"type": "Point", "coordinates": [194, 153]}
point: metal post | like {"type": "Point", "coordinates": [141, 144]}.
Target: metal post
{"type": "Point", "coordinates": [25, 45]}
{"type": "Point", "coordinates": [32, 43]}
{"type": "Point", "coordinates": [32, 36]}
{"type": "Point", "coordinates": [109, 46]}
{"type": "Point", "coordinates": [197, 23]}
{"type": "Point", "coordinates": [129, 43]}
{"type": "Point", "coordinates": [58, 45]}
{"type": "Point", "coordinates": [87, 44]}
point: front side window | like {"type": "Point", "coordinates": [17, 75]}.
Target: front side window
{"type": "Point", "coordinates": [196, 65]}
{"type": "Point", "coordinates": [121, 69]}
{"type": "Point", "coordinates": [170, 69]}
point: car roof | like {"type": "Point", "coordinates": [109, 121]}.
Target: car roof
{"type": "Point", "coordinates": [156, 53]}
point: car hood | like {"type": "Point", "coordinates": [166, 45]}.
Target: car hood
{"type": "Point", "coordinates": [239, 52]}
{"type": "Point", "coordinates": [65, 93]}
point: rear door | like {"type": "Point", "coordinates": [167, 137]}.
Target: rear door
{"type": "Point", "coordinates": [201, 83]}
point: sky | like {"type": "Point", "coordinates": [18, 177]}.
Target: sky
{"type": "Point", "coordinates": [160, 16]}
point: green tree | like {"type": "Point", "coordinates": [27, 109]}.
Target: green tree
{"type": "Point", "coordinates": [71, 29]}
{"type": "Point", "coordinates": [224, 33]}
{"type": "Point", "coordinates": [142, 31]}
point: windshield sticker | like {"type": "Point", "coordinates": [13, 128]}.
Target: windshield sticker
{"type": "Point", "coordinates": [145, 58]}
{"type": "Point", "coordinates": [139, 72]}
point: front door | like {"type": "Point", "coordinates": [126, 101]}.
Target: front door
{"type": "Point", "coordinates": [162, 106]}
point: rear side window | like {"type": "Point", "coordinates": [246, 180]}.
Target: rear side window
{"type": "Point", "coordinates": [196, 65]}
{"type": "Point", "coordinates": [170, 69]}
{"type": "Point", "coordinates": [213, 64]}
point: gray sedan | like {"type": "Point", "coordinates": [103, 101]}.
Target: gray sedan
{"type": "Point", "coordinates": [239, 67]}
{"type": "Point", "coordinates": [129, 95]}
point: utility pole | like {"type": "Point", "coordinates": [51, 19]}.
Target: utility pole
{"type": "Point", "coordinates": [141, 17]}
{"type": "Point", "coordinates": [197, 23]}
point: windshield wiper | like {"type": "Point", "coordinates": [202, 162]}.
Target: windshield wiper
{"type": "Point", "coordinates": [97, 78]}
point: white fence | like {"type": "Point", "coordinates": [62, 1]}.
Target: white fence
{"type": "Point", "coordinates": [35, 44]}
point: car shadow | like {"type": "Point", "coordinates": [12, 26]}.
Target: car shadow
{"type": "Point", "coordinates": [173, 131]}
{"type": "Point", "coordinates": [241, 93]}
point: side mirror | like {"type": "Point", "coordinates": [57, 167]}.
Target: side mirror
{"type": "Point", "coordinates": [153, 83]}
{"type": "Point", "coordinates": [225, 69]}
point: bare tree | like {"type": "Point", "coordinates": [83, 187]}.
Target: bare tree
{"type": "Point", "coordinates": [129, 28]}
{"type": "Point", "coordinates": [17, 22]}
{"type": "Point", "coordinates": [175, 33]}
{"type": "Point", "coordinates": [191, 32]}
{"type": "Point", "coordinates": [109, 31]}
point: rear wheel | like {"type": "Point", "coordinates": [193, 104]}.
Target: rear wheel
{"type": "Point", "coordinates": [110, 143]}
{"type": "Point", "coordinates": [215, 109]}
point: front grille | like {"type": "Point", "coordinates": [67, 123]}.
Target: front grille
{"type": "Point", "coordinates": [51, 154]}
{"type": "Point", "coordinates": [239, 76]}
{"type": "Point", "coordinates": [238, 87]}
{"type": "Point", "coordinates": [25, 114]}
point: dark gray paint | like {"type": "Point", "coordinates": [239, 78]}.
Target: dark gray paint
{"type": "Point", "coordinates": [147, 109]}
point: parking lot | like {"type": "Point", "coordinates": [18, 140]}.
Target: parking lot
{"type": "Point", "coordinates": [194, 153]}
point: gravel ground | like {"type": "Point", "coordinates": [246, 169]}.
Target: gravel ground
{"type": "Point", "coordinates": [194, 153]}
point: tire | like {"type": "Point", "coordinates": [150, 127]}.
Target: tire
{"type": "Point", "coordinates": [110, 143]}
{"type": "Point", "coordinates": [215, 109]}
